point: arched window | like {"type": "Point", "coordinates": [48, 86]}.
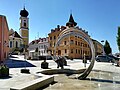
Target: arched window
{"type": "Point", "coordinates": [10, 44]}
{"type": "Point", "coordinates": [24, 23]}
{"type": "Point", "coordinates": [16, 44]}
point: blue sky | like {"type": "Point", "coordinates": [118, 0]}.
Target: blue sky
{"type": "Point", "coordinates": [100, 18]}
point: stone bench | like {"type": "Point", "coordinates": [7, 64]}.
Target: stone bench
{"type": "Point", "coordinates": [34, 84]}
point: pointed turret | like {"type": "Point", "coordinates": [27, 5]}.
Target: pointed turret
{"type": "Point", "coordinates": [71, 22]}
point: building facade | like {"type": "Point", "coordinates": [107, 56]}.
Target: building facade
{"type": "Point", "coordinates": [39, 47]}
{"type": "Point", "coordinates": [72, 46]}
{"type": "Point", "coordinates": [98, 47]}
{"type": "Point", "coordinates": [4, 38]}
{"type": "Point", "coordinates": [15, 40]}
{"type": "Point", "coordinates": [24, 26]}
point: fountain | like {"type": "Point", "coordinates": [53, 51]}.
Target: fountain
{"type": "Point", "coordinates": [65, 33]}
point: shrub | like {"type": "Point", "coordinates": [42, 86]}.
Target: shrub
{"type": "Point", "coordinates": [4, 71]}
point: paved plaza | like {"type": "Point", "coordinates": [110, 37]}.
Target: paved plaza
{"type": "Point", "coordinates": [104, 75]}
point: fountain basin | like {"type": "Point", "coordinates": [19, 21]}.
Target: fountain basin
{"type": "Point", "coordinates": [34, 84]}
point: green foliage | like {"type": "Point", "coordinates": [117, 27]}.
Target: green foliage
{"type": "Point", "coordinates": [107, 48]}
{"type": "Point", "coordinates": [118, 38]}
{"type": "Point", "coordinates": [4, 71]}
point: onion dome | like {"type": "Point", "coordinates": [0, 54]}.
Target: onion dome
{"type": "Point", "coordinates": [71, 22]}
{"type": "Point", "coordinates": [24, 13]}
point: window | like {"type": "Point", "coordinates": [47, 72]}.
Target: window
{"type": "Point", "coordinates": [79, 51]}
{"type": "Point", "coordinates": [24, 24]}
{"type": "Point", "coordinates": [41, 46]}
{"type": "Point", "coordinates": [64, 42]}
{"type": "Point", "coordinates": [10, 44]}
{"type": "Point", "coordinates": [75, 42]}
{"type": "Point", "coordinates": [65, 50]}
{"type": "Point", "coordinates": [16, 44]}
{"type": "Point", "coordinates": [50, 38]}
{"type": "Point", "coordinates": [76, 50]}
{"type": "Point", "coordinates": [54, 37]}
{"type": "Point", "coordinates": [71, 50]}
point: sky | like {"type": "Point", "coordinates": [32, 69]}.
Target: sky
{"type": "Point", "coordinates": [100, 18]}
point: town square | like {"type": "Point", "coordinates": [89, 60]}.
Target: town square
{"type": "Point", "coordinates": [59, 45]}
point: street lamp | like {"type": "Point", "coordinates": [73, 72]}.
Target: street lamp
{"type": "Point", "coordinates": [84, 61]}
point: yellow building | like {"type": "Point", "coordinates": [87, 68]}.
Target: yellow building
{"type": "Point", "coordinates": [98, 47]}
{"type": "Point", "coordinates": [24, 26]}
{"type": "Point", "coordinates": [71, 46]}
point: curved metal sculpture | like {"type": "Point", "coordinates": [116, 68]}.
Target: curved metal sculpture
{"type": "Point", "coordinates": [83, 35]}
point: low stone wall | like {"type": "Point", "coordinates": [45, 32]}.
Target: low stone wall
{"type": "Point", "coordinates": [62, 71]}
{"type": "Point", "coordinates": [34, 84]}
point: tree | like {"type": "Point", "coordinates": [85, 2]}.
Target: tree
{"type": "Point", "coordinates": [107, 48]}
{"type": "Point", "coordinates": [118, 38]}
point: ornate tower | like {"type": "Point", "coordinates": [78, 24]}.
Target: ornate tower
{"type": "Point", "coordinates": [71, 22]}
{"type": "Point", "coordinates": [24, 26]}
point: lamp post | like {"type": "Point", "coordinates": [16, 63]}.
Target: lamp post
{"type": "Point", "coordinates": [84, 61]}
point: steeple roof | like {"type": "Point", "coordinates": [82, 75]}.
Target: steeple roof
{"type": "Point", "coordinates": [71, 22]}
{"type": "Point", "coordinates": [24, 12]}
{"type": "Point", "coordinates": [15, 34]}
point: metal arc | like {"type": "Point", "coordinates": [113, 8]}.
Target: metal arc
{"type": "Point", "coordinates": [84, 36]}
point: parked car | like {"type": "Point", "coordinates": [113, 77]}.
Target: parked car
{"type": "Point", "coordinates": [114, 58]}
{"type": "Point", "coordinates": [103, 58]}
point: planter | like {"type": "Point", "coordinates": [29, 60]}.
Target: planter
{"type": "Point", "coordinates": [44, 65]}
{"type": "Point", "coordinates": [4, 71]}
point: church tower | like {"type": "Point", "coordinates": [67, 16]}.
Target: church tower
{"type": "Point", "coordinates": [24, 26]}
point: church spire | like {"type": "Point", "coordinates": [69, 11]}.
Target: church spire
{"type": "Point", "coordinates": [71, 22]}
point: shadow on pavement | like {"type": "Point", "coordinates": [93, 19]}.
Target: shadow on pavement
{"type": "Point", "coordinates": [11, 63]}
{"type": "Point", "coordinates": [103, 80]}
